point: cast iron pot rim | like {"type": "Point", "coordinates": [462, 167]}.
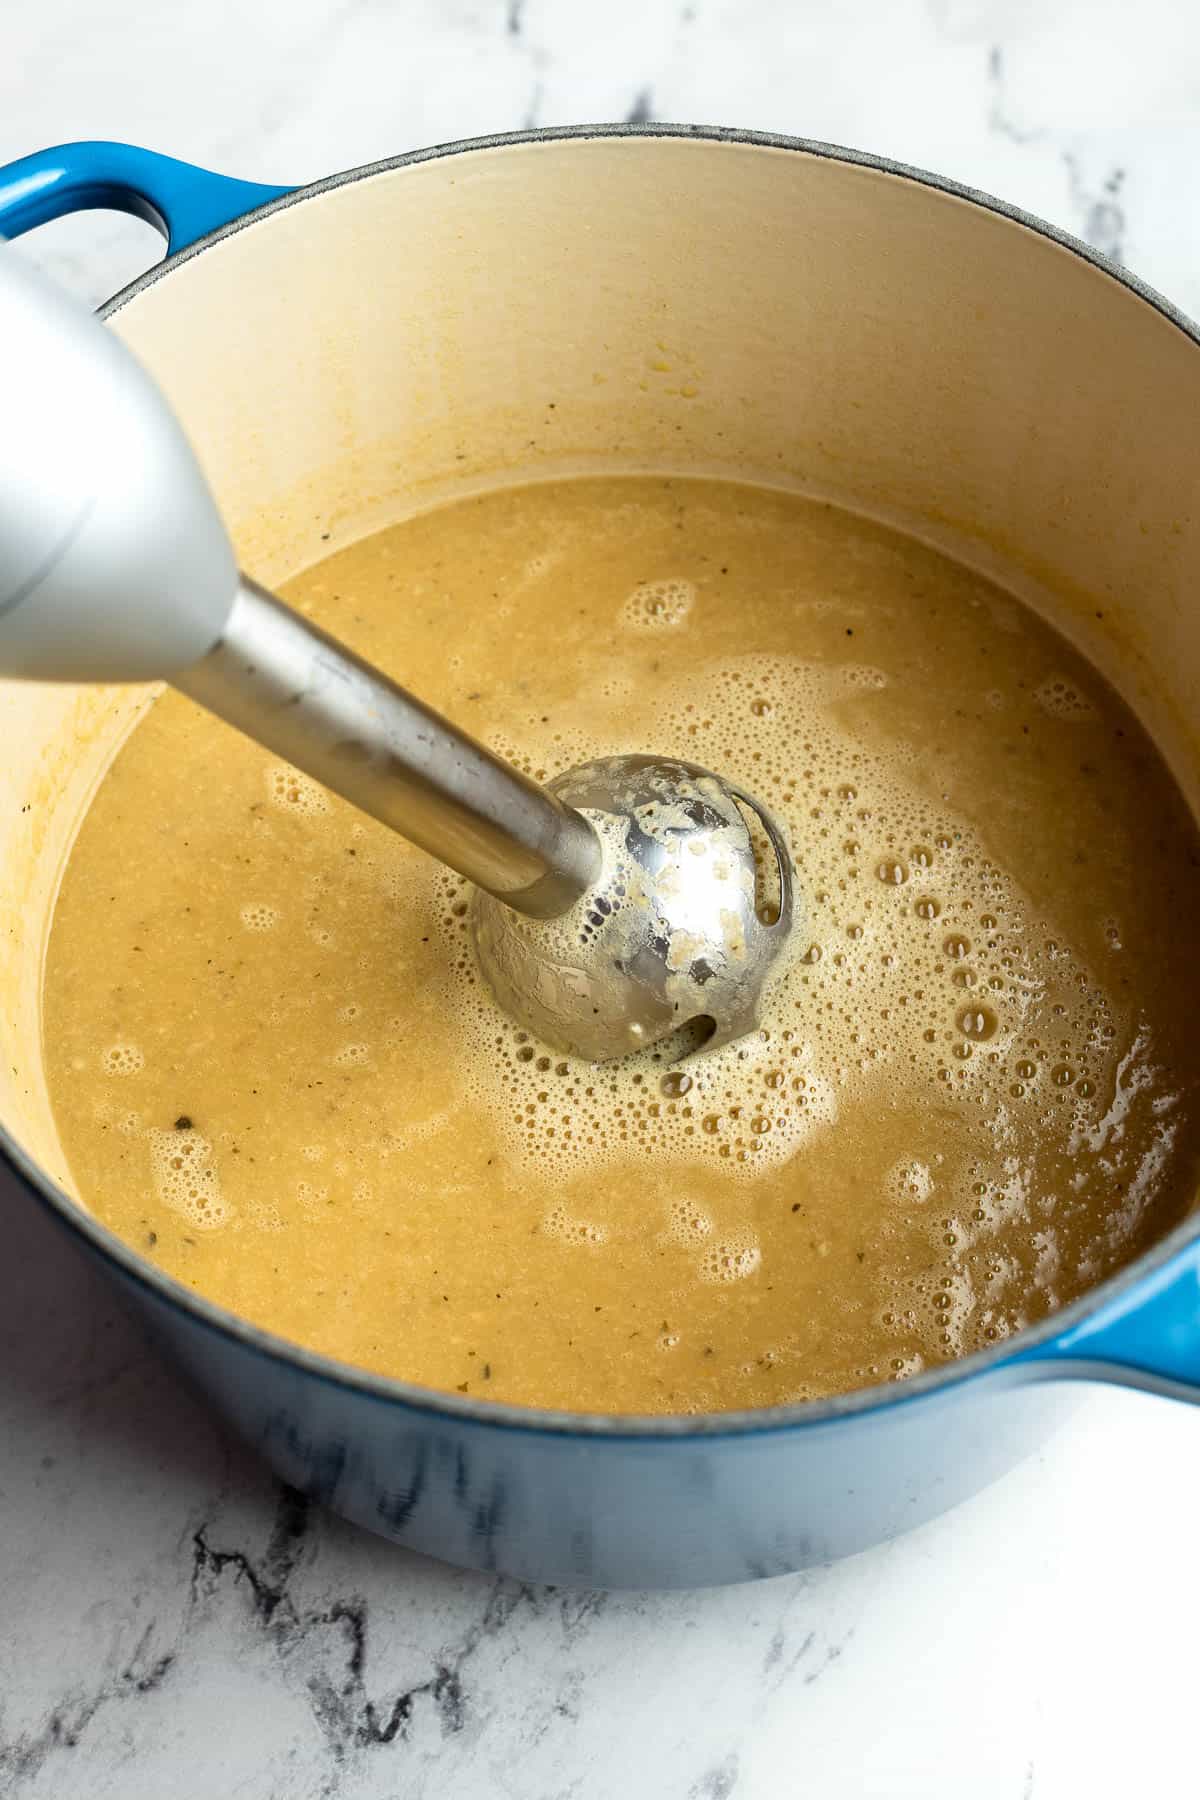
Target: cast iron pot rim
{"type": "Point", "coordinates": [671, 1427]}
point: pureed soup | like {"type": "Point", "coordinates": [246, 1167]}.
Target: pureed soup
{"type": "Point", "coordinates": [974, 1093]}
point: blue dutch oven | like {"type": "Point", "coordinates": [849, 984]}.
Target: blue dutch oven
{"type": "Point", "coordinates": [343, 352]}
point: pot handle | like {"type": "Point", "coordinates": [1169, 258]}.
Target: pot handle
{"type": "Point", "coordinates": [1148, 1338]}
{"type": "Point", "coordinates": [183, 202]}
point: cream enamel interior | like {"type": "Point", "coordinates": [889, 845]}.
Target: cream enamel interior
{"type": "Point", "coordinates": [602, 304]}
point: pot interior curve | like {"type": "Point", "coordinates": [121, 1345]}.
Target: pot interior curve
{"type": "Point", "coordinates": [688, 305]}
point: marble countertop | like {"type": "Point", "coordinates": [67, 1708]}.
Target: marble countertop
{"type": "Point", "coordinates": [171, 1620]}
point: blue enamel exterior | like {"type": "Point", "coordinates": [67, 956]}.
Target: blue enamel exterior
{"type": "Point", "coordinates": [183, 202]}
{"type": "Point", "coordinates": [613, 1508]}
{"type": "Point", "coordinates": [600, 1502]}
{"type": "Point", "coordinates": [1150, 1335]}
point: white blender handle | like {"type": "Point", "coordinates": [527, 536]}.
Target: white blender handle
{"type": "Point", "coordinates": [114, 562]}
{"type": "Point", "coordinates": [115, 566]}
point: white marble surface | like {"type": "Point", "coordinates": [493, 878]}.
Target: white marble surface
{"type": "Point", "coordinates": [170, 1621]}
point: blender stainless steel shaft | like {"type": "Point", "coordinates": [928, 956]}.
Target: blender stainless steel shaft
{"type": "Point", "coordinates": [285, 682]}
{"type": "Point", "coordinates": [115, 566]}
{"type": "Point", "coordinates": [619, 908]}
